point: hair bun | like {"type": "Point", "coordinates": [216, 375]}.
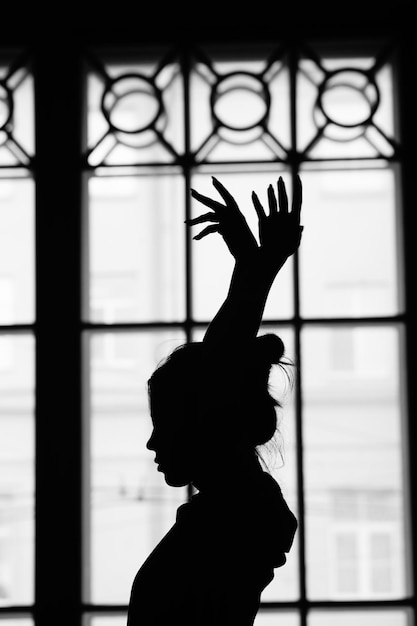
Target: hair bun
{"type": "Point", "coordinates": [269, 348]}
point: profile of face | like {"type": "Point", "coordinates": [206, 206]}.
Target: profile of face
{"type": "Point", "coordinates": [170, 439]}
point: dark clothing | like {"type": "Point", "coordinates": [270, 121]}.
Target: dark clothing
{"type": "Point", "coordinates": [213, 564]}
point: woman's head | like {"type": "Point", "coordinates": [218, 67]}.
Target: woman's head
{"type": "Point", "coordinates": [199, 408]}
{"type": "Point", "coordinates": [173, 400]}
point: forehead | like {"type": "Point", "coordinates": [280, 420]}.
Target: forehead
{"type": "Point", "coordinates": [168, 406]}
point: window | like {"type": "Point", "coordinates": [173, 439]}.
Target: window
{"type": "Point", "coordinates": [366, 545]}
{"type": "Point", "coordinates": [105, 143]}
{"type": "Point", "coordinates": [17, 286]}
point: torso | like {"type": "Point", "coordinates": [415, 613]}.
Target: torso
{"type": "Point", "coordinates": [209, 569]}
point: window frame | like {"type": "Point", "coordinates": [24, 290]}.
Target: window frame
{"type": "Point", "coordinates": [60, 475]}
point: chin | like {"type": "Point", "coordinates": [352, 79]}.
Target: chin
{"type": "Point", "coordinates": [176, 481]}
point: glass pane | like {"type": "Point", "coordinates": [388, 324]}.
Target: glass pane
{"type": "Point", "coordinates": [131, 505]}
{"type": "Point", "coordinates": [16, 112]}
{"type": "Point", "coordinates": [16, 469]}
{"type": "Point", "coordinates": [17, 251]}
{"type": "Point", "coordinates": [348, 255]}
{"type": "Point", "coordinates": [135, 112]}
{"type": "Point", "coordinates": [345, 107]}
{"type": "Point", "coordinates": [276, 618]}
{"type": "Point", "coordinates": [382, 617]}
{"type": "Point", "coordinates": [284, 586]}
{"type": "Point", "coordinates": [354, 470]}
{"type": "Point", "coordinates": [212, 261]}
{"type": "Point", "coordinates": [16, 621]}
{"type": "Point", "coordinates": [136, 254]}
{"type": "Point", "coordinates": [240, 108]}
{"type": "Point", "coordinates": [106, 620]}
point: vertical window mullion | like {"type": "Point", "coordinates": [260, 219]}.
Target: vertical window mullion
{"type": "Point", "coordinates": [408, 131]}
{"type": "Point", "coordinates": [293, 68]}
{"type": "Point", "coordinates": [58, 374]}
{"type": "Point", "coordinates": [187, 184]}
{"type": "Point", "coordinates": [187, 204]}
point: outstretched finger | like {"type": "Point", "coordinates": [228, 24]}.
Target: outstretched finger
{"type": "Point", "coordinates": [212, 204]}
{"type": "Point", "coordinates": [282, 196]}
{"type": "Point", "coordinates": [215, 228]}
{"type": "Point", "coordinates": [297, 197]}
{"type": "Point", "coordinates": [272, 200]}
{"type": "Point", "coordinates": [206, 217]}
{"type": "Point", "coordinates": [225, 194]}
{"type": "Point", "coordinates": [258, 206]}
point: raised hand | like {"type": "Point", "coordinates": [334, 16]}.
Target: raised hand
{"type": "Point", "coordinates": [227, 220]}
{"type": "Point", "coordinates": [279, 231]}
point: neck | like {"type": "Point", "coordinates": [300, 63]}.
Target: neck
{"type": "Point", "coordinates": [240, 469]}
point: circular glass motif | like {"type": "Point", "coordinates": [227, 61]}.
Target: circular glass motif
{"type": "Point", "coordinates": [6, 106]}
{"type": "Point", "coordinates": [240, 101]}
{"type": "Point", "coordinates": [348, 97]}
{"type": "Point", "coordinates": [131, 103]}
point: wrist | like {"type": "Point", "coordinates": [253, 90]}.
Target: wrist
{"type": "Point", "coordinates": [260, 270]}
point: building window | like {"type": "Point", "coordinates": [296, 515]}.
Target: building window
{"type": "Point", "coordinates": [367, 545]}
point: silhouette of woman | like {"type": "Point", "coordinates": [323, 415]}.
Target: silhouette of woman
{"type": "Point", "coordinates": [211, 409]}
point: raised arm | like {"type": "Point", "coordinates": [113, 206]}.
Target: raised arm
{"type": "Point", "coordinates": [256, 266]}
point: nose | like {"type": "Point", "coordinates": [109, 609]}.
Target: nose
{"type": "Point", "coordinates": [150, 444]}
